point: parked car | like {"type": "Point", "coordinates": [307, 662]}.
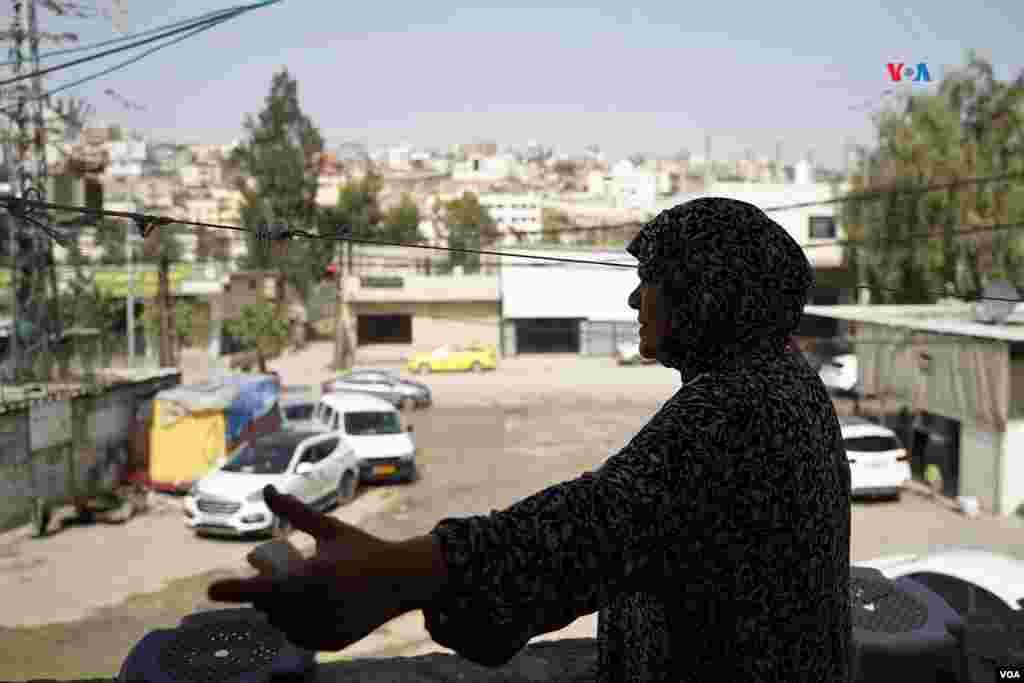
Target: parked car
{"type": "Point", "coordinates": [374, 429]}
{"type": "Point", "coordinates": [474, 358]}
{"type": "Point", "coordinates": [382, 384]}
{"type": "Point", "coordinates": [317, 467]}
{"type": "Point", "coordinates": [879, 463]}
{"type": "Point", "coordinates": [628, 353]}
{"type": "Point", "coordinates": [840, 374]}
{"type": "Point", "coordinates": [968, 578]}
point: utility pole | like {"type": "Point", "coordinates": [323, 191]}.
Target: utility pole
{"type": "Point", "coordinates": [14, 165]}
{"type": "Point", "coordinates": [48, 323]}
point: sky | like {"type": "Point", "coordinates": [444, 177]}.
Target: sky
{"type": "Point", "coordinates": [642, 77]}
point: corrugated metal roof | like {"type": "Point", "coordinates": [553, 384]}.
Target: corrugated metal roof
{"type": "Point", "coordinates": [954, 319]}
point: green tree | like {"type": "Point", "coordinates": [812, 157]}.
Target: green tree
{"type": "Point", "coordinates": [402, 223]}
{"type": "Point", "coordinates": [282, 156]}
{"type": "Point", "coordinates": [972, 126]}
{"type": "Point", "coordinates": [261, 327]}
{"type": "Point", "coordinates": [469, 226]}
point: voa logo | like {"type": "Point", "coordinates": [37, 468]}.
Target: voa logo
{"type": "Point", "coordinates": [898, 72]}
{"type": "Point", "coordinates": [1012, 674]}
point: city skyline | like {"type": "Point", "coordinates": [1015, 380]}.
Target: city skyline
{"type": "Point", "coordinates": [651, 80]}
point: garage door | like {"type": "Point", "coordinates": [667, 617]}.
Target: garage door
{"type": "Point", "coordinates": [548, 335]}
{"type": "Point", "coordinates": [600, 338]}
{"type": "Point", "coordinates": [384, 329]}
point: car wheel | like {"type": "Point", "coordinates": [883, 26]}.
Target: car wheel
{"type": "Point", "coordinates": [423, 369]}
{"type": "Point", "coordinates": [475, 367]}
{"type": "Point", "coordinates": [347, 488]}
{"type": "Point", "coordinates": [414, 475]}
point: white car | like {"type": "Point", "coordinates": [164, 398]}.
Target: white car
{"type": "Point", "coordinates": [879, 463]}
{"type": "Point", "coordinates": [628, 353]}
{"type": "Point", "coordinates": [317, 467]}
{"type": "Point", "coordinates": [968, 578]}
{"type": "Point", "coordinates": [373, 427]}
{"type": "Point", "coordinates": [840, 373]}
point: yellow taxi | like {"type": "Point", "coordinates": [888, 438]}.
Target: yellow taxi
{"type": "Point", "coordinates": [474, 357]}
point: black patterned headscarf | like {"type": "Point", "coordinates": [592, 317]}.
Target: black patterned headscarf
{"type": "Point", "coordinates": [735, 282]}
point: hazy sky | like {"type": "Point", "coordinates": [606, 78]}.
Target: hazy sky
{"type": "Point", "coordinates": [651, 78]}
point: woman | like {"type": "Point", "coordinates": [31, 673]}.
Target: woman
{"type": "Point", "coordinates": [716, 543]}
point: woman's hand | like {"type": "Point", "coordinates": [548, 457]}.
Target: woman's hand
{"type": "Point", "coordinates": [354, 583]}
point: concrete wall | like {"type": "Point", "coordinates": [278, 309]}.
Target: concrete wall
{"type": "Point", "coordinates": [1011, 494]}
{"type": "Point", "coordinates": [980, 456]}
{"type": "Point", "coordinates": [437, 323]}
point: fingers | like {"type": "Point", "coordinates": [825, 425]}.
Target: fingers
{"type": "Point", "coordinates": [242, 590]}
{"type": "Point", "coordinates": [301, 516]}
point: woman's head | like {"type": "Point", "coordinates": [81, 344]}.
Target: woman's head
{"type": "Point", "coordinates": [719, 279]}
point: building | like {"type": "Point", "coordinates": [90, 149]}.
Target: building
{"type": "Point", "coordinates": [952, 387]}
{"type": "Point", "coordinates": [201, 174]}
{"type": "Point", "coordinates": [128, 158]}
{"type": "Point", "coordinates": [519, 216]}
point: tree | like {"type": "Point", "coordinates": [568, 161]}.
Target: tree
{"type": "Point", "coordinates": [972, 126]}
{"type": "Point", "coordinates": [469, 226]}
{"type": "Point", "coordinates": [261, 327]}
{"type": "Point", "coordinates": [282, 155]}
{"type": "Point", "coordinates": [553, 224]}
{"type": "Point", "coordinates": [163, 248]}
{"type": "Point", "coordinates": [402, 223]}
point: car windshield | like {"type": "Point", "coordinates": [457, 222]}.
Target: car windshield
{"type": "Point", "coordinates": [366, 423]}
{"type": "Point", "coordinates": [872, 444]}
{"type": "Point", "coordinates": [260, 459]}
{"type": "Point", "coordinates": [300, 411]}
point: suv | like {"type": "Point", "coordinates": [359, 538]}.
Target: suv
{"type": "Point", "coordinates": [879, 463]}
{"type": "Point", "coordinates": [319, 468]}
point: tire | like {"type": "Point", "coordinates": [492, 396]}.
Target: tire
{"type": "Point", "coordinates": [423, 369]}
{"type": "Point", "coordinates": [413, 476]}
{"type": "Point", "coordinates": [347, 488]}
{"type": "Point", "coordinates": [475, 367]}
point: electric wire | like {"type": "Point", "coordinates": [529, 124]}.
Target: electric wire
{"type": "Point", "coordinates": [84, 48]}
{"type": "Point", "coordinates": [212, 24]}
{"type": "Point", "coordinates": [139, 43]}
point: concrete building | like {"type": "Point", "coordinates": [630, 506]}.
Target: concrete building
{"type": "Point", "coordinates": [951, 386]}
{"type": "Point", "coordinates": [519, 216]}
{"type": "Point", "coordinates": [201, 174]}
{"type": "Point", "coordinates": [127, 158]}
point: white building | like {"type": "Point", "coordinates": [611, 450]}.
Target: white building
{"type": "Point", "coordinates": [127, 158]}
{"type": "Point", "coordinates": [515, 214]}
{"type": "Point", "coordinates": [628, 186]}
{"type": "Point", "coordinates": [479, 168]}
{"type": "Point", "coordinates": [567, 308]}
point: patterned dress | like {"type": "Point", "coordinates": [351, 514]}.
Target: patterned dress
{"type": "Point", "coordinates": [716, 544]}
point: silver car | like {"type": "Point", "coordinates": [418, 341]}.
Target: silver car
{"type": "Point", "coordinates": [399, 392]}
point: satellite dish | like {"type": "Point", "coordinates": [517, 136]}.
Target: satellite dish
{"type": "Point", "coordinates": [999, 299]}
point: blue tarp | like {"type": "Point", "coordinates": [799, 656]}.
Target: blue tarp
{"type": "Point", "coordinates": [256, 397]}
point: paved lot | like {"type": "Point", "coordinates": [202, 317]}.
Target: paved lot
{"type": "Point", "coordinates": [490, 440]}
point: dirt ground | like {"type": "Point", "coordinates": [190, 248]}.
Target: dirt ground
{"type": "Point", "coordinates": [91, 592]}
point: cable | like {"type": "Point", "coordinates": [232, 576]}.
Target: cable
{"type": "Point", "coordinates": [84, 48]}
{"type": "Point", "coordinates": [125, 63]}
{"type": "Point", "coordinates": [154, 220]}
{"type": "Point", "coordinates": [75, 62]}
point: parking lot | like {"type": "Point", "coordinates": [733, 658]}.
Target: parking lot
{"type": "Point", "coordinates": [489, 440]}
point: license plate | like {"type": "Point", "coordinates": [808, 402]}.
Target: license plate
{"type": "Point", "coordinates": [384, 469]}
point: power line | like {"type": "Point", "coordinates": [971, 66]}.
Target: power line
{"type": "Point", "coordinates": [121, 39]}
{"type": "Point", "coordinates": [228, 14]}
{"type": "Point", "coordinates": [213, 23]}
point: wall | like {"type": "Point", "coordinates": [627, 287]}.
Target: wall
{"type": "Point", "coordinates": [980, 457]}
{"type": "Point", "coordinates": [1012, 484]}
{"type": "Point", "coordinates": [56, 450]}
{"type": "Point", "coordinates": [437, 324]}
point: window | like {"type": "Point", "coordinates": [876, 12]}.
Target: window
{"type": "Point", "coordinates": [872, 444]}
{"type": "Point", "coordinates": [822, 227]}
{"type": "Point", "coordinates": [364, 423]}
{"type": "Point", "coordinates": [301, 411]}
{"type": "Point", "coordinates": [327, 416]}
